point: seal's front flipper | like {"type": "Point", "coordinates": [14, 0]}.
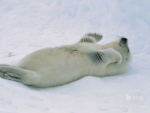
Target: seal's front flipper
{"type": "Point", "coordinates": [91, 38]}
{"type": "Point", "coordinates": [106, 56]}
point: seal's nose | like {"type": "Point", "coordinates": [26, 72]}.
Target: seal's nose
{"type": "Point", "coordinates": [124, 40]}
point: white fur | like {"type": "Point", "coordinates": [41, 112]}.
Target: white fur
{"type": "Point", "coordinates": [61, 65]}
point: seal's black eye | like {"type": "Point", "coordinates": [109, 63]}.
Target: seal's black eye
{"type": "Point", "coordinates": [123, 41]}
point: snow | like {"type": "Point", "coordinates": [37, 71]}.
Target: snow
{"type": "Point", "coordinates": [28, 25]}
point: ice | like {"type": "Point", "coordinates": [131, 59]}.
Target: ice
{"type": "Point", "coordinates": [28, 25]}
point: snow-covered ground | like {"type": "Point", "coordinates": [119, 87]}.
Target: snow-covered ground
{"type": "Point", "coordinates": [28, 25]}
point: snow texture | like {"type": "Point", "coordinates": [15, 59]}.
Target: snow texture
{"type": "Point", "coordinates": [28, 25]}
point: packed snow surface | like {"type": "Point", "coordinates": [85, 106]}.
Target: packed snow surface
{"type": "Point", "coordinates": [29, 25]}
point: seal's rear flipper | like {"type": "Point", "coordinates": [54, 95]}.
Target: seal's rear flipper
{"type": "Point", "coordinates": [18, 74]}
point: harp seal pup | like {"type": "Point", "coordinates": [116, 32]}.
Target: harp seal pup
{"type": "Point", "coordinates": [61, 65]}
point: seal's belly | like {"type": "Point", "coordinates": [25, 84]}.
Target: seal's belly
{"type": "Point", "coordinates": [57, 66]}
